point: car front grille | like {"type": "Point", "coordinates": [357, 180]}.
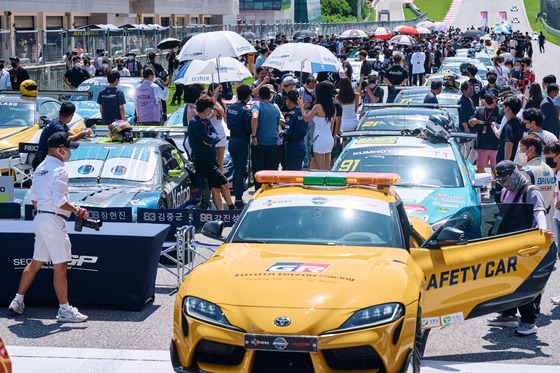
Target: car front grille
{"type": "Point", "coordinates": [353, 358]}
{"type": "Point", "coordinates": [218, 353]}
{"type": "Point", "coordinates": [279, 362]}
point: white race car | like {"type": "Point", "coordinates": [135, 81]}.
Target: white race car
{"type": "Point", "coordinates": [514, 8]}
{"type": "Point", "coordinates": [515, 20]}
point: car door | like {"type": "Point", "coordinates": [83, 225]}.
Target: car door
{"type": "Point", "coordinates": [48, 111]}
{"type": "Point", "coordinates": [176, 177]}
{"type": "Point", "coordinates": [465, 278]}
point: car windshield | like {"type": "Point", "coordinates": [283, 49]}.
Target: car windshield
{"type": "Point", "coordinates": [97, 86]}
{"type": "Point", "coordinates": [416, 166]}
{"type": "Point", "coordinates": [456, 69]}
{"type": "Point", "coordinates": [17, 114]}
{"type": "Point", "coordinates": [175, 119]}
{"type": "Point", "coordinates": [108, 163]}
{"type": "Point", "coordinates": [317, 220]}
{"type": "Point", "coordinates": [418, 98]}
{"type": "Point", "coordinates": [393, 122]}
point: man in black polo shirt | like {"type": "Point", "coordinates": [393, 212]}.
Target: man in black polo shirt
{"type": "Point", "coordinates": [395, 76]}
{"type": "Point", "coordinates": [365, 69]}
{"type": "Point", "coordinates": [111, 100]}
{"type": "Point", "coordinates": [76, 75]}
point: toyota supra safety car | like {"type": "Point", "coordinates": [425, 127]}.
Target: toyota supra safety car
{"type": "Point", "coordinates": [325, 272]}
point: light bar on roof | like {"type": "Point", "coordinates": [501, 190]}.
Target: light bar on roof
{"type": "Point", "coordinates": [326, 178]}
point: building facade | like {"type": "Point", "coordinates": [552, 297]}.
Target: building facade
{"type": "Point", "coordinates": [279, 11]}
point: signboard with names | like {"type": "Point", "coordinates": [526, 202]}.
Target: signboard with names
{"type": "Point", "coordinates": [6, 189]}
{"type": "Point", "coordinates": [105, 214]}
{"type": "Point", "coordinates": [201, 217]}
{"type": "Point", "coordinates": [173, 217]}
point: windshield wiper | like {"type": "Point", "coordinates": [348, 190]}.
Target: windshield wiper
{"type": "Point", "coordinates": [417, 185]}
{"type": "Point", "coordinates": [102, 167]}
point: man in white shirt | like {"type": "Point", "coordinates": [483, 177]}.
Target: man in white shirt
{"type": "Point", "coordinates": [5, 83]}
{"type": "Point", "coordinates": [49, 194]}
{"type": "Point", "coordinates": [417, 64]}
{"type": "Point", "coordinates": [533, 120]}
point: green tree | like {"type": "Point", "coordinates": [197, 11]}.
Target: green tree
{"type": "Point", "coordinates": [341, 10]}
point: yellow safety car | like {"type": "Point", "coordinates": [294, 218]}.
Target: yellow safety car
{"type": "Point", "coordinates": [325, 272]}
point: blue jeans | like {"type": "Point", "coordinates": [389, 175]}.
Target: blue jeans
{"type": "Point", "coordinates": [295, 153]}
{"type": "Point", "coordinates": [309, 144]}
{"type": "Point", "coordinates": [239, 152]}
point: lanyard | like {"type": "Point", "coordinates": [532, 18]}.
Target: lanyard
{"type": "Point", "coordinates": [489, 115]}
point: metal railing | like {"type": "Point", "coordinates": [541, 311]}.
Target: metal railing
{"type": "Point", "coordinates": [37, 47]}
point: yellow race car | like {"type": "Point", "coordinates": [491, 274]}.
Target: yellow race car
{"type": "Point", "coordinates": [325, 272]}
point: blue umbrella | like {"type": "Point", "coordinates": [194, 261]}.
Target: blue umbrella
{"type": "Point", "coordinates": [317, 67]}
{"type": "Point", "coordinates": [502, 30]}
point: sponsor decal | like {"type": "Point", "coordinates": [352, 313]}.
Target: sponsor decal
{"type": "Point", "coordinates": [442, 209]}
{"type": "Point", "coordinates": [280, 343]}
{"type": "Point", "coordinates": [77, 262]}
{"type": "Point", "coordinates": [256, 342]}
{"type": "Point", "coordinates": [298, 267]}
{"type": "Point", "coordinates": [443, 204]}
{"type": "Point", "coordinates": [472, 273]}
{"type": "Point", "coordinates": [319, 200]}
{"type": "Point", "coordinates": [415, 208]}
{"type": "Point", "coordinates": [452, 318]}
{"type": "Point", "coordinates": [430, 322]}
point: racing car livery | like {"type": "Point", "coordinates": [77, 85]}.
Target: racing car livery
{"type": "Point", "coordinates": [338, 279]}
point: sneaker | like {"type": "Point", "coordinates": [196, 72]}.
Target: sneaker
{"type": "Point", "coordinates": [72, 315]}
{"type": "Point", "coordinates": [17, 307]}
{"type": "Point", "coordinates": [556, 301]}
{"type": "Point", "coordinates": [507, 322]}
{"type": "Point", "coordinates": [239, 205]}
{"type": "Point", "coordinates": [526, 329]}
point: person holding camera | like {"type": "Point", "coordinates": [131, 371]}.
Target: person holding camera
{"type": "Point", "coordinates": [49, 194]}
{"type": "Point", "coordinates": [148, 99]}
{"type": "Point", "coordinates": [307, 94]}
{"type": "Point", "coordinates": [371, 92]}
{"type": "Point", "coordinates": [262, 77]}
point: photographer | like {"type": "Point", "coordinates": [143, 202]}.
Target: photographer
{"type": "Point", "coordinates": [307, 94]}
{"type": "Point", "coordinates": [262, 77]}
{"type": "Point", "coordinates": [369, 88]}
{"type": "Point", "coordinates": [49, 194]}
{"type": "Point", "coordinates": [148, 99]}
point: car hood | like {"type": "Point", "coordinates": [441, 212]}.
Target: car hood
{"type": "Point", "coordinates": [103, 196]}
{"type": "Point", "coordinates": [283, 276]}
{"type": "Point", "coordinates": [434, 204]}
{"type": "Point", "coordinates": [90, 109]}
{"type": "Point", "coordinates": [10, 137]}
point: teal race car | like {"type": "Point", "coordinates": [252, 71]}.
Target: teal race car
{"type": "Point", "coordinates": [435, 181]}
{"type": "Point", "coordinates": [88, 108]}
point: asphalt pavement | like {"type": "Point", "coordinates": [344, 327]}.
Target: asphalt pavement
{"type": "Point", "coordinates": [393, 6]}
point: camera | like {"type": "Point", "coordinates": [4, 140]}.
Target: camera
{"type": "Point", "coordinates": [88, 223]}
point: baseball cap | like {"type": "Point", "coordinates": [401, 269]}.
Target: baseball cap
{"type": "Point", "coordinates": [105, 60]}
{"type": "Point", "coordinates": [289, 80]}
{"type": "Point", "coordinates": [503, 169]}
{"type": "Point", "coordinates": [504, 89]}
{"type": "Point", "coordinates": [14, 58]}
{"type": "Point", "coordinates": [293, 96]}
{"type": "Point", "coordinates": [60, 140]}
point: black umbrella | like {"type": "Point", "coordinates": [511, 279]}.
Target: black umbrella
{"type": "Point", "coordinates": [472, 34]}
{"type": "Point", "coordinates": [187, 38]}
{"type": "Point", "coordinates": [303, 34]}
{"type": "Point", "coordinates": [249, 35]}
{"type": "Point", "coordinates": [168, 43]}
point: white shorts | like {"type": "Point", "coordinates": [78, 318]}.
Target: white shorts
{"type": "Point", "coordinates": [52, 243]}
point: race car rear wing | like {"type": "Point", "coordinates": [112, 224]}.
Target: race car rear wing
{"type": "Point", "coordinates": [145, 131]}
{"type": "Point", "coordinates": [47, 92]}
{"type": "Point", "coordinates": [414, 104]}
{"type": "Point", "coordinates": [404, 132]}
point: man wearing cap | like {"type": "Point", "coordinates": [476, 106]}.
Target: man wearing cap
{"type": "Point", "coordinates": [133, 66]}
{"type": "Point", "coordinates": [288, 85]}
{"type": "Point", "coordinates": [49, 194]}
{"type": "Point", "coordinates": [516, 195]}
{"type": "Point", "coordinates": [294, 133]}
{"type": "Point", "coordinates": [148, 99]}
{"type": "Point", "coordinates": [17, 74]}
{"type": "Point", "coordinates": [5, 82]}
{"type": "Point", "coordinates": [104, 68]}
{"type": "Point", "coordinates": [60, 124]}
{"type": "Point", "coordinates": [76, 75]}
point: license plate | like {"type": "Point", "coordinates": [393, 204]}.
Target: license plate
{"type": "Point", "coordinates": [292, 343]}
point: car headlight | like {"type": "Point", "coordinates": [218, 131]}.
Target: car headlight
{"type": "Point", "coordinates": [9, 153]}
{"type": "Point", "coordinates": [371, 316]}
{"type": "Point", "coordinates": [206, 311]}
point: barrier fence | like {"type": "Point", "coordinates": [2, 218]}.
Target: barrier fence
{"type": "Point", "coordinates": [35, 47]}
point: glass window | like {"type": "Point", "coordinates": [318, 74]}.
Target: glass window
{"type": "Point", "coordinates": [17, 114]}
{"type": "Point", "coordinates": [48, 111]}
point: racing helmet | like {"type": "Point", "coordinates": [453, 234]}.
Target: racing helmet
{"type": "Point", "coordinates": [120, 131]}
{"type": "Point", "coordinates": [463, 67]}
{"type": "Point", "coordinates": [437, 129]}
{"type": "Point", "coordinates": [28, 88]}
{"type": "Point", "coordinates": [471, 53]}
{"type": "Point", "coordinates": [450, 82]}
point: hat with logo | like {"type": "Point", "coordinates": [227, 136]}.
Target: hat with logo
{"type": "Point", "coordinates": [61, 140]}
{"type": "Point", "coordinates": [14, 58]}
{"type": "Point", "coordinates": [503, 169]}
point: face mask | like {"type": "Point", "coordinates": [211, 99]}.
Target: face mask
{"type": "Point", "coordinates": [489, 100]}
{"type": "Point", "coordinates": [491, 80]}
{"type": "Point", "coordinates": [104, 65]}
{"type": "Point", "coordinates": [471, 93]}
{"type": "Point", "coordinates": [523, 157]}
{"type": "Point", "coordinates": [119, 66]}
{"type": "Point", "coordinates": [77, 65]}
{"type": "Point", "coordinates": [550, 162]}
{"type": "Point", "coordinates": [64, 154]}
{"type": "Point", "coordinates": [14, 64]}
{"type": "Point", "coordinates": [130, 58]}
{"type": "Point", "coordinates": [514, 182]}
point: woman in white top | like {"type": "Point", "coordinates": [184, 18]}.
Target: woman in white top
{"type": "Point", "coordinates": [350, 101]}
{"type": "Point", "coordinates": [323, 114]}
{"type": "Point", "coordinates": [218, 118]}
{"type": "Point", "coordinates": [502, 72]}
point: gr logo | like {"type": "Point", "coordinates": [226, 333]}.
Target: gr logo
{"type": "Point", "coordinates": [298, 267]}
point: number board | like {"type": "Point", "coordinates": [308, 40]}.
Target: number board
{"type": "Point", "coordinates": [229, 217]}
{"type": "Point", "coordinates": [173, 217]}
{"type": "Point", "coordinates": [109, 214]}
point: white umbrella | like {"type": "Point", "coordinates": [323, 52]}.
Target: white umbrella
{"type": "Point", "coordinates": [352, 34]}
{"type": "Point", "coordinates": [425, 24]}
{"type": "Point", "coordinates": [402, 40]}
{"type": "Point", "coordinates": [423, 30]}
{"type": "Point", "coordinates": [206, 72]}
{"type": "Point", "coordinates": [306, 57]}
{"type": "Point", "coordinates": [215, 44]}
{"type": "Point", "coordinates": [396, 29]}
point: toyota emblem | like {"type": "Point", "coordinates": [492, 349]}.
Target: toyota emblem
{"type": "Point", "coordinates": [282, 321]}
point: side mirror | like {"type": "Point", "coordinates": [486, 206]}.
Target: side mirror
{"type": "Point", "coordinates": [174, 173]}
{"type": "Point", "coordinates": [44, 119]}
{"type": "Point", "coordinates": [447, 237]}
{"type": "Point", "coordinates": [481, 180]}
{"type": "Point", "coordinates": [214, 229]}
